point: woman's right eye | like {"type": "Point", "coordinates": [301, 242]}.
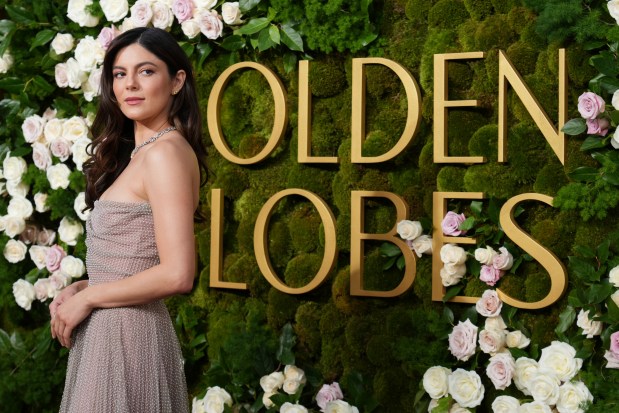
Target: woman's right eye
{"type": "Point", "coordinates": [118, 75]}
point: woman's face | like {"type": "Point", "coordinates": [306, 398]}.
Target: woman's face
{"type": "Point", "coordinates": [143, 87]}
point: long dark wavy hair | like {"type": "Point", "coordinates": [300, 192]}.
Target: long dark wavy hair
{"type": "Point", "coordinates": [113, 131]}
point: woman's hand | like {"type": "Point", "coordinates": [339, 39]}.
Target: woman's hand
{"type": "Point", "coordinates": [69, 314]}
{"type": "Point", "coordinates": [66, 293]}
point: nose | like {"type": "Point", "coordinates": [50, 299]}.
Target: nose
{"type": "Point", "coordinates": [131, 82]}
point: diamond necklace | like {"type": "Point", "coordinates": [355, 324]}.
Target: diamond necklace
{"type": "Point", "coordinates": [152, 139]}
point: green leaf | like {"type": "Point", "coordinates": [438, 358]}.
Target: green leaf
{"type": "Point", "coordinates": [584, 174]}
{"type": "Point", "coordinates": [575, 126]}
{"type": "Point", "coordinates": [566, 319]}
{"type": "Point", "coordinates": [388, 249]}
{"type": "Point", "coordinates": [390, 262]}
{"type": "Point", "coordinates": [43, 37]}
{"type": "Point", "coordinates": [5, 343]}
{"type": "Point", "coordinates": [613, 311]}
{"type": "Point", "coordinates": [247, 5]}
{"type": "Point", "coordinates": [368, 38]}
{"type": "Point", "coordinates": [233, 43]}
{"type": "Point", "coordinates": [476, 207]}
{"type": "Point", "coordinates": [264, 40]}
{"type": "Point", "coordinates": [602, 251]}
{"type": "Point", "coordinates": [290, 61]}
{"type": "Point", "coordinates": [583, 269]}
{"type": "Point", "coordinates": [291, 38]}
{"type": "Point", "coordinates": [204, 49]}
{"type": "Point", "coordinates": [611, 177]}
{"type": "Point", "coordinates": [253, 26]}
{"type": "Point", "coordinates": [274, 34]}
{"type": "Point", "coordinates": [599, 292]}
{"type": "Point", "coordinates": [467, 224]}
{"type": "Point", "coordinates": [401, 262]}
{"type": "Point", "coordinates": [609, 84]}
{"type": "Point", "coordinates": [585, 251]}
{"type": "Point", "coordinates": [12, 85]}
{"type": "Point", "coordinates": [43, 84]}
{"type": "Point", "coordinates": [592, 142]}
{"type": "Point", "coordinates": [606, 63]}
{"type": "Point", "coordinates": [187, 47]}
{"type": "Point", "coordinates": [452, 292]}
{"type": "Point", "coordinates": [448, 315]}
{"type": "Point", "coordinates": [20, 15]}
{"type": "Point", "coordinates": [287, 341]}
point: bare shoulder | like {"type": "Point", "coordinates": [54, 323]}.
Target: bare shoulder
{"type": "Point", "coordinates": [170, 153]}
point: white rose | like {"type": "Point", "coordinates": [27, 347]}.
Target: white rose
{"type": "Point", "coordinates": [6, 61]}
{"type": "Point", "coordinates": [58, 280]}
{"type": "Point", "coordinates": [432, 405]}
{"type": "Point", "coordinates": [231, 13]}
{"type": "Point", "coordinates": [516, 339]}
{"type": "Point", "coordinates": [38, 254]}
{"type": "Point", "coordinates": [495, 323]}
{"type": "Point", "coordinates": [500, 370]}
{"type": "Point", "coordinates": [615, 297]}
{"type": "Point", "coordinates": [613, 9]}
{"type": "Point", "coordinates": [190, 28]}
{"type": "Point", "coordinates": [40, 200]}
{"type": "Point", "coordinates": [44, 289]}
{"type": "Point", "coordinates": [79, 152]}
{"type": "Point", "coordinates": [291, 386]}
{"type": "Point", "coordinates": [141, 13]}
{"type": "Point", "coordinates": [114, 10]}
{"type": "Point", "coordinates": [61, 74]}
{"type": "Point", "coordinates": [340, 406]}
{"type": "Point", "coordinates": [292, 408]}
{"type": "Point", "coordinates": [590, 328]}
{"type": "Point", "coordinates": [525, 370]}
{"type": "Point", "coordinates": [215, 400]}
{"type": "Point", "coordinates": [79, 204]}
{"type": "Point", "coordinates": [613, 276]}
{"type": "Point", "coordinates": [294, 373]}
{"type": "Point", "coordinates": [13, 225]}
{"type": "Point", "coordinates": [544, 387]}
{"type": "Point", "coordinates": [435, 381]}
{"type": "Point", "coordinates": [456, 408]}
{"type": "Point", "coordinates": [62, 43]}
{"type": "Point", "coordinates": [409, 230]}
{"type": "Point", "coordinates": [162, 15]}
{"type": "Point", "coordinates": [69, 231]}
{"type": "Point", "coordinates": [53, 130]}
{"type": "Point", "coordinates": [422, 245]}
{"type": "Point", "coordinates": [451, 253]}
{"type": "Point", "coordinates": [534, 407]}
{"type": "Point", "coordinates": [17, 188]}
{"type": "Point", "coordinates": [210, 24]}
{"type": "Point", "coordinates": [266, 399]}
{"type": "Point", "coordinates": [466, 388]}
{"type": "Point", "coordinates": [204, 4]}
{"type": "Point", "coordinates": [197, 406]}
{"type": "Point", "coordinates": [90, 87]}
{"type": "Point", "coordinates": [503, 261]}
{"type": "Point", "coordinates": [272, 382]}
{"type": "Point", "coordinates": [561, 358]}
{"type": "Point", "coordinates": [489, 305]}
{"type": "Point", "coordinates": [41, 156]}
{"type": "Point", "coordinates": [72, 266]}
{"type": "Point", "coordinates": [58, 176]}
{"type": "Point", "coordinates": [32, 128]}
{"type": "Point", "coordinates": [572, 396]}
{"type": "Point", "coordinates": [89, 53]}
{"type": "Point", "coordinates": [75, 75]}
{"type": "Point", "coordinates": [76, 11]}
{"type": "Point", "coordinates": [491, 341]}
{"type": "Point", "coordinates": [49, 114]}
{"type": "Point", "coordinates": [13, 168]}
{"type": "Point", "coordinates": [24, 294]}
{"type": "Point", "coordinates": [60, 148]}
{"type": "Point", "coordinates": [451, 274]}
{"type": "Point", "coordinates": [505, 404]}
{"type": "Point", "coordinates": [20, 207]}
{"type": "Point", "coordinates": [485, 255]}
{"type": "Point", "coordinates": [127, 24]}
{"type": "Point", "coordinates": [615, 100]}
{"type": "Point", "coordinates": [15, 251]}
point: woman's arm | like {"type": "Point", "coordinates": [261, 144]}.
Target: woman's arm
{"type": "Point", "coordinates": [170, 181]}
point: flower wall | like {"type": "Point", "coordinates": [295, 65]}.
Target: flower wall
{"type": "Point", "coordinates": [383, 352]}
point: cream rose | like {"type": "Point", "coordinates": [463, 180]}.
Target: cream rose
{"type": "Point", "coordinates": [491, 341]}
{"type": "Point", "coordinates": [204, 4]}
{"type": "Point", "coordinates": [544, 387]}
{"type": "Point", "coordinates": [32, 128]}
{"type": "Point", "coordinates": [525, 370]}
{"type": "Point", "coordinates": [58, 176]}
{"type": "Point", "coordinates": [75, 75]}
{"type": "Point", "coordinates": [435, 381]}
{"type": "Point", "coordinates": [613, 9]}
{"type": "Point", "coordinates": [76, 11]}
{"type": "Point", "coordinates": [14, 168]}
{"type": "Point", "coordinates": [80, 155]}
{"type": "Point", "coordinates": [231, 13]}
{"type": "Point", "coordinates": [463, 340]}
{"type": "Point", "coordinates": [24, 294]}
{"type": "Point", "coordinates": [162, 15]}
{"type": "Point", "coordinates": [560, 358]}
{"type": "Point", "coordinates": [53, 130]}
{"type": "Point", "coordinates": [60, 148]}
{"type": "Point", "coordinates": [505, 404]}
{"type": "Point", "coordinates": [495, 323]}
{"type": "Point", "coordinates": [44, 289]}
{"type": "Point", "coordinates": [191, 28]}
{"type": "Point", "coordinates": [409, 230]}
{"type": "Point", "coordinates": [15, 251]}
{"type": "Point", "coordinates": [456, 408]}
{"type": "Point", "coordinates": [451, 274]}
{"type": "Point", "coordinates": [79, 204]}
{"type": "Point", "coordinates": [272, 382]}
{"type": "Point", "coordinates": [466, 388]}
{"type": "Point", "coordinates": [6, 61]}
{"type": "Point", "coordinates": [516, 339]}
{"type": "Point", "coordinates": [74, 128]}
{"type": "Point", "coordinates": [613, 276]}
{"type": "Point", "coordinates": [291, 386]}
{"type": "Point", "coordinates": [572, 396]}
{"type": "Point", "coordinates": [485, 255]}
{"type": "Point", "coordinates": [59, 281]}
{"type": "Point", "coordinates": [215, 400]}
{"type": "Point", "coordinates": [13, 225]}
{"type": "Point", "coordinates": [114, 10]}
{"type": "Point", "coordinates": [293, 373]}
{"type": "Point", "coordinates": [17, 188]}
{"type": "Point", "coordinates": [489, 305]}
{"type": "Point", "coordinates": [40, 200]}
{"type": "Point", "coordinates": [41, 156]}
{"type": "Point", "coordinates": [38, 255]}
{"type": "Point", "coordinates": [590, 328]}
{"type": "Point", "coordinates": [500, 370]}
{"type": "Point", "coordinates": [292, 408]}
{"type": "Point", "coordinates": [266, 399]}
{"type": "Point", "coordinates": [615, 297]}
{"type": "Point", "coordinates": [197, 406]}
{"type": "Point", "coordinates": [340, 406]}
{"type": "Point", "coordinates": [503, 261]}
{"type": "Point", "coordinates": [141, 13]}
{"type": "Point", "coordinates": [69, 231]}
{"type": "Point", "coordinates": [534, 407]}
{"type": "Point", "coordinates": [451, 253]}
{"type": "Point", "coordinates": [62, 43]}
{"type": "Point", "coordinates": [422, 245]}
{"type": "Point", "coordinates": [210, 24]}
{"type": "Point", "coordinates": [72, 266]}
{"type": "Point", "coordinates": [20, 207]}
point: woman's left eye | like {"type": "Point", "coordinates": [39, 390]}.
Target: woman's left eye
{"type": "Point", "coordinates": [147, 72]}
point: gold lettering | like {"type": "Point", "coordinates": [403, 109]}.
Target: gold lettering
{"type": "Point", "coordinates": [442, 102]}
{"type": "Point", "coordinates": [358, 109]}
{"type": "Point", "coordinates": [214, 105]}
{"type": "Point", "coordinates": [548, 260]}
{"type": "Point", "coordinates": [261, 236]}
{"type": "Point", "coordinates": [554, 136]}
{"type": "Point", "coordinates": [358, 237]}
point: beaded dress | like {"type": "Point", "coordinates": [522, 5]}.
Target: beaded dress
{"type": "Point", "coordinates": [124, 359]}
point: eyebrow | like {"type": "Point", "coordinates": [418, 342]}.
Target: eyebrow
{"type": "Point", "coordinates": [138, 65]}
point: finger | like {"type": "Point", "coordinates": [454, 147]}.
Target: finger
{"type": "Point", "coordinates": [51, 326]}
{"type": "Point", "coordinates": [67, 336]}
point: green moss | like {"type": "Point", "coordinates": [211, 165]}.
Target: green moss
{"type": "Point", "coordinates": [279, 239]}
{"type": "Point", "coordinates": [311, 178]}
{"type": "Point", "coordinates": [377, 143]}
{"type": "Point", "coordinates": [342, 226]}
{"type": "Point", "coordinates": [327, 78]}
{"type": "Point", "coordinates": [244, 268]}
{"type": "Point", "coordinates": [379, 218]}
{"type": "Point", "coordinates": [375, 278]}
{"type": "Point", "coordinates": [461, 126]}
{"type": "Point", "coordinates": [406, 45]}
{"type": "Point", "coordinates": [422, 286]}
{"type": "Point", "coordinates": [523, 56]}
{"type": "Point", "coordinates": [579, 71]}
{"type": "Point", "coordinates": [331, 357]}
{"type": "Point", "coordinates": [302, 269]}
{"type": "Point", "coordinates": [495, 180]}
{"type": "Point", "coordinates": [574, 157]}
{"type": "Point", "coordinates": [437, 41]}
{"type": "Point", "coordinates": [374, 180]}
{"type": "Point", "coordinates": [550, 178]}
{"type": "Point", "coordinates": [378, 350]}
{"type": "Point", "coordinates": [232, 179]}
{"type": "Point", "coordinates": [247, 207]}
{"type": "Point", "coordinates": [503, 6]}
{"type": "Point", "coordinates": [303, 225]}
{"type": "Point", "coordinates": [484, 142]}
{"type": "Point", "coordinates": [447, 13]}
{"type": "Point", "coordinates": [326, 135]}
{"type": "Point", "coordinates": [527, 151]}
{"type": "Point", "coordinates": [475, 287]}
{"type": "Point", "coordinates": [388, 385]}
{"type": "Point", "coordinates": [450, 179]}
{"type": "Point", "coordinates": [388, 116]}
{"type": "Point", "coordinates": [417, 10]}
{"type": "Point", "coordinates": [281, 308]}
{"type": "Point", "coordinates": [494, 33]}
{"type": "Point", "coordinates": [358, 334]}
{"type": "Point", "coordinates": [381, 81]}
{"type": "Point", "coordinates": [340, 294]}
{"type": "Point", "coordinates": [428, 170]}
{"type": "Point", "coordinates": [513, 285]}
{"type": "Point", "coordinates": [306, 327]}
{"type": "Point", "coordinates": [332, 322]}
{"type": "Point", "coordinates": [537, 286]}
{"type": "Point", "coordinates": [251, 145]}
{"type": "Point", "coordinates": [466, 35]}
{"type": "Point", "coordinates": [479, 9]}
{"type": "Point", "coordinates": [592, 233]}
{"type": "Point", "coordinates": [554, 236]}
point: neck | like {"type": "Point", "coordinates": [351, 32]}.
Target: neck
{"type": "Point", "coordinates": [143, 132]}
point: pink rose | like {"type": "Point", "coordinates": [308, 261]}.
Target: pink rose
{"type": "Point", "coordinates": [61, 148]}
{"type": "Point", "coordinates": [106, 36]}
{"type": "Point", "coordinates": [597, 126]}
{"type": "Point", "coordinates": [491, 341]}
{"type": "Point", "coordinates": [463, 340]}
{"type": "Point", "coordinates": [490, 275]}
{"type": "Point", "coordinates": [504, 260]}
{"type": "Point", "coordinates": [59, 280]}
{"type": "Point", "coordinates": [40, 156]}
{"type": "Point", "coordinates": [614, 343]}
{"type": "Point", "coordinates": [183, 10]}
{"type": "Point", "coordinates": [500, 370]}
{"type": "Point", "coordinates": [54, 255]}
{"type": "Point", "coordinates": [328, 393]}
{"type": "Point", "coordinates": [46, 237]}
{"type": "Point", "coordinates": [613, 360]}
{"type": "Point", "coordinates": [590, 105]}
{"type": "Point", "coordinates": [43, 289]}
{"type": "Point", "coordinates": [451, 222]}
{"type": "Point", "coordinates": [489, 305]}
{"type": "Point", "coordinates": [210, 24]}
{"type": "Point", "coordinates": [141, 13]}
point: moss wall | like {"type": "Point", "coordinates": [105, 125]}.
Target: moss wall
{"type": "Point", "coordinates": [390, 341]}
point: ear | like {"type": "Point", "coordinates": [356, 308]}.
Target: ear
{"type": "Point", "coordinates": [179, 80]}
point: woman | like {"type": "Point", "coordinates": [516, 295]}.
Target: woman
{"type": "Point", "coordinates": [143, 183]}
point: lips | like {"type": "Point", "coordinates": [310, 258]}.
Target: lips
{"type": "Point", "coordinates": [133, 100]}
